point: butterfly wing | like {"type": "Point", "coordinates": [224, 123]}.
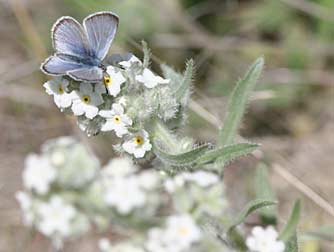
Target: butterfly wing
{"type": "Point", "coordinates": [69, 38]}
{"type": "Point", "coordinates": [87, 73]}
{"type": "Point", "coordinates": [101, 28]}
{"type": "Point", "coordinates": [55, 65]}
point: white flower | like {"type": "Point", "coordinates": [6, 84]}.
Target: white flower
{"type": "Point", "coordinates": [172, 184]}
{"type": "Point", "coordinates": [121, 166]}
{"type": "Point", "coordinates": [264, 240]}
{"type": "Point", "coordinates": [125, 194]}
{"type": "Point", "coordinates": [202, 178]}
{"type": "Point", "coordinates": [182, 230]}
{"type": "Point", "coordinates": [180, 234]}
{"type": "Point", "coordinates": [86, 100]}
{"type": "Point", "coordinates": [26, 205]}
{"type": "Point", "coordinates": [116, 120]}
{"type": "Point", "coordinates": [150, 80]}
{"type": "Point", "coordinates": [156, 242]}
{"type": "Point", "coordinates": [106, 246]}
{"type": "Point", "coordinates": [130, 62]}
{"type": "Point", "coordinates": [56, 217]}
{"type": "Point", "coordinates": [58, 87]}
{"type": "Point", "coordinates": [148, 179]}
{"type": "Point", "coordinates": [113, 81]}
{"type": "Point", "coordinates": [138, 144]}
{"type": "Point", "coordinates": [38, 174]}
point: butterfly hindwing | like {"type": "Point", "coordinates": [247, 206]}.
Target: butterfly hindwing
{"type": "Point", "coordinates": [54, 65]}
{"type": "Point", "coordinates": [88, 74]}
{"type": "Point", "coordinates": [101, 28]}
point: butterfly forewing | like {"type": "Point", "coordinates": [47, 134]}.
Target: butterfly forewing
{"type": "Point", "coordinates": [101, 28]}
{"type": "Point", "coordinates": [69, 38]}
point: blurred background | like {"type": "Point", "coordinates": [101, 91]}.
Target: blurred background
{"type": "Point", "coordinates": [291, 113]}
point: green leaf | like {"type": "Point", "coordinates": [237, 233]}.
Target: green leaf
{"type": "Point", "coordinates": [182, 92]}
{"type": "Point", "coordinates": [289, 229]}
{"type": "Point", "coordinates": [249, 208]}
{"type": "Point", "coordinates": [264, 191]}
{"type": "Point", "coordinates": [184, 159]}
{"type": "Point", "coordinates": [238, 101]}
{"type": "Point", "coordinates": [180, 83]}
{"type": "Point", "coordinates": [325, 233]}
{"type": "Point", "coordinates": [227, 153]}
{"type": "Point", "coordinates": [147, 54]}
{"type": "Point", "coordinates": [292, 244]}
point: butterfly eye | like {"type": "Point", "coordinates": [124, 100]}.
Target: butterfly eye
{"type": "Point", "coordinates": [107, 80]}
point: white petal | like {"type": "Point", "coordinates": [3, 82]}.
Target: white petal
{"type": "Point", "coordinates": [114, 89]}
{"type": "Point", "coordinates": [86, 87]}
{"type": "Point", "coordinates": [78, 108]}
{"type": "Point", "coordinates": [108, 126]}
{"type": "Point", "coordinates": [106, 113]}
{"type": "Point", "coordinates": [118, 109]}
{"type": "Point", "coordinates": [91, 111]}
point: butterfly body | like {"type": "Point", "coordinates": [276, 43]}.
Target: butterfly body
{"type": "Point", "coordinates": [80, 49]}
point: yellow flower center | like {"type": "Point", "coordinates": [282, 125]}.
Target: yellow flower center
{"type": "Point", "coordinates": [183, 231]}
{"type": "Point", "coordinates": [117, 119]}
{"type": "Point", "coordinates": [60, 89]}
{"type": "Point", "coordinates": [107, 80]}
{"type": "Point", "coordinates": [138, 140]}
{"type": "Point", "coordinates": [86, 99]}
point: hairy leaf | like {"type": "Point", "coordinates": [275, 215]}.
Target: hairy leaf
{"type": "Point", "coordinates": [147, 54]}
{"type": "Point", "coordinates": [227, 153]}
{"type": "Point", "coordinates": [289, 229]}
{"type": "Point", "coordinates": [264, 191]}
{"type": "Point", "coordinates": [180, 83]}
{"type": "Point", "coordinates": [249, 208]}
{"type": "Point", "coordinates": [184, 159]}
{"type": "Point", "coordinates": [237, 103]}
{"type": "Point", "coordinates": [292, 244]}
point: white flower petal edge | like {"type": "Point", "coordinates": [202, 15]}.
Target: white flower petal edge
{"type": "Point", "coordinates": [264, 240]}
{"type": "Point", "coordinates": [119, 167]}
{"type": "Point", "coordinates": [150, 80]}
{"type": "Point", "coordinates": [55, 217]}
{"type": "Point", "coordinates": [38, 174]}
{"type": "Point", "coordinates": [130, 62]}
{"type": "Point", "coordinates": [138, 144]}
{"type": "Point", "coordinates": [115, 80]}
{"type": "Point", "coordinates": [86, 100]}
{"type": "Point", "coordinates": [124, 194]}
{"type": "Point", "coordinates": [25, 202]}
{"type": "Point", "coordinates": [180, 233]}
{"type": "Point", "coordinates": [116, 120]}
{"type": "Point", "coordinates": [58, 89]}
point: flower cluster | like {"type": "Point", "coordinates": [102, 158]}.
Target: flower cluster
{"type": "Point", "coordinates": [50, 180]}
{"type": "Point", "coordinates": [67, 191]}
{"type": "Point", "coordinates": [124, 103]}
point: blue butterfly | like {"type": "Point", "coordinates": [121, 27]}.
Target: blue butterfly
{"type": "Point", "coordinates": [80, 50]}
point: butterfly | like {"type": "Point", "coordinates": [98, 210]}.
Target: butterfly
{"type": "Point", "coordinates": [80, 49]}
